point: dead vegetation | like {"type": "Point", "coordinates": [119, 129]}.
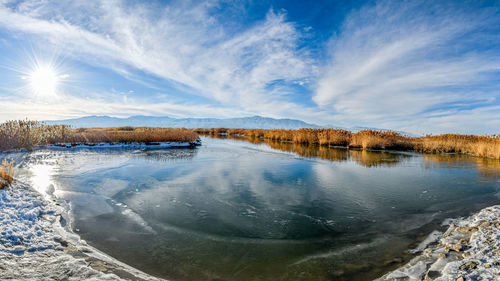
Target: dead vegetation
{"type": "Point", "coordinates": [132, 135]}
{"type": "Point", "coordinates": [482, 146]}
{"type": "Point", "coordinates": [6, 173]}
{"type": "Point", "coordinates": [29, 134]}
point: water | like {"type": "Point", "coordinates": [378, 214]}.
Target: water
{"type": "Point", "coordinates": [235, 210]}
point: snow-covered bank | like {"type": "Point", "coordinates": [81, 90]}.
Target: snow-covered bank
{"type": "Point", "coordinates": [108, 146]}
{"type": "Point", "coordinates": [36, 245]}
{"type": "Point", "coordinates": [134, 145]}
{"type": "Point", "coordinates": [468, 250]}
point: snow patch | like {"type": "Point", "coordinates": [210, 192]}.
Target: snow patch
{"type": "Point", "coordinates": [468, 250]}
{"type": "Point", "coordinates": [135, 145]}
{"type": "Point", "coordinates": [35, 245]}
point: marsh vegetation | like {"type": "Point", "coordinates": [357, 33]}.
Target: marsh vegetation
{"type": "Point", "coordinates": [6, 173]}
{"type": "Point", "coordinates": [29, 134]}
{"type": "Point", "coordinates": [482, 146]}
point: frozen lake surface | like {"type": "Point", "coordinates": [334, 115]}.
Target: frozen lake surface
{"type": "Point", "coordinates": [235, 210]}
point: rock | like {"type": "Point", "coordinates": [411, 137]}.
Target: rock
{"type": "Point", "coordinates": [485, 224]}
{"type": "Point", "coordinates": [460, 278]}
{"type": "Point", "coordinates": [470, 265]}
{"type": "Point", "coordinates": [432, 274]}
{"type": "Point", "coordinates": [455, 247]}
{"type": "Point", "coordinates": [467, 230]}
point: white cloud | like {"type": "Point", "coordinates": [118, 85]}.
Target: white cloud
{"type": "Point", "coordinates": [65, 106]}
{"type": "Point", "coordinates": [391, 65]}
{"type": "Point", "coordinates": [393, 61]}
{"type": "Point", "coordinates": [182, 43]}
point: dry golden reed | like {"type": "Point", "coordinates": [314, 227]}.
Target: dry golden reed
{"type": "Point", "coordinates": [132, 135]}
{"type": "Point", "coordinates": [29, 134]}
{"type": "Point", "coordinates": [6, 173]}
{"type": "Point", "coordinates": [482, 146]}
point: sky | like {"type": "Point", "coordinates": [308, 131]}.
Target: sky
{"type": "Point", "coordinates": [414, 66]}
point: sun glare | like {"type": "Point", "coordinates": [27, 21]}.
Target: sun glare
{"type": "Point", "coordinates": [44, 81]}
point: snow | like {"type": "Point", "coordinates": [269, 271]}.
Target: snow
{"type": "Point", "coordinates": [137, 145]}
{"type": "Point", "coordinates": [36, 243]}
{"type": "Point", "coordinates": [468, 250]}
{"type": "Point", "coordinates": [431, 238]}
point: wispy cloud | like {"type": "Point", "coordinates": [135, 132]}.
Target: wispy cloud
{"type": "Point", "coordinates": [182, 43]}
{"type": "Point", "coordinates": [393, 61]}
{"type": "Point", "coordinates": [111, 104]}
{"type": "Point", "coordinates": [413, 65]}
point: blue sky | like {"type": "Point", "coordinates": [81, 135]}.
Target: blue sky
{"type": "Point", "coordinates": [416, 66]}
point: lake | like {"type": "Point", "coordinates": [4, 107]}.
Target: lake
{"type": "Point", "coordinates": [243, 209]}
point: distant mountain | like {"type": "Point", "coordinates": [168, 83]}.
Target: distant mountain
{"type": "Point", "coordinates": [152, 121]}
{"type": "Point", "coordinates": [168, 122]}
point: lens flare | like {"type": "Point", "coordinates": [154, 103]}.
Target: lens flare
{"type": "Point", "coordinates": [44, 81]}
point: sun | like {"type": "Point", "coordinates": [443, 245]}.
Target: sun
{"type": "Point", "coordinates": [44, 81]}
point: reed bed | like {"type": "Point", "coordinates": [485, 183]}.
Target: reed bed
{"type": "Point", "coordinates": [6, 173]}
{"type": "Point", "coordinates": [381, 140]}
{"type": "Point", "coordinates": [132, 135]}
{"type": "Point", "coordinates": [29, 134]}
{"type": "Point", "coordinates": [482, 146]}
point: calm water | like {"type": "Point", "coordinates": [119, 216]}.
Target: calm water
{"type": "Point", "coordinates": [235, 210]}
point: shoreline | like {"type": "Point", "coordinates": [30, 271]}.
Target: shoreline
{"type": "Point", "coordinates": [36, 243]}
{"type": "Point", "coordinates": [450, 255]}
{"type": "Point", "coordinates": [469, 145]}
{"type": "Point", "coordinates": [468, 250]}
{"type": "Point", "coordinates": [124, 145]}
{"type": "Point", "coordinates": [108, 145]}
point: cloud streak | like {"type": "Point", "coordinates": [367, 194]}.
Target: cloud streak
{"type": "Point", "coordinates": [415, 66]}
{"type": "Point", "coordinates": [393, 61]}
{"type": "Point", "coordinates": [183, 44]}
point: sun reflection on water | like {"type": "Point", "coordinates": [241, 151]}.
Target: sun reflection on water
{"type": "Point", "coordinates": [42, 179]}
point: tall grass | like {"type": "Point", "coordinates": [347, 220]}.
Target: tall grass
{"type": "Point", "coordinates": [6, 173]}
{"type": "Point", "coordinates": [29, 134]}
{"type": "Point", "coordinates": [482, 146]}
{"type": "Point", "coordinates": [380, 140]}
{"type": "Point", "coordinates": [132, 134]}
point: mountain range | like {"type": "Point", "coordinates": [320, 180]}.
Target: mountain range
{"type": "Point", "coordinates": [154, 121]}
{"type": "Point", "coordinates": [169, 122]}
